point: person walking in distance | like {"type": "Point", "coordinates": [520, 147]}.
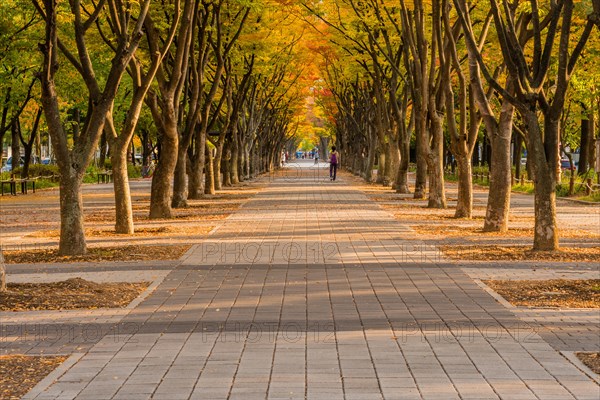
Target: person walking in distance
{"type": "Point", "coordinates": [334, 159]}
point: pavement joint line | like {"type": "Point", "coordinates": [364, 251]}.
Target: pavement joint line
{"type": "Point", "coordinates": [398, 314]}
{"type": "Point", "coordinates": [572, 357]}
{"type": "Point", "coordinates": [149, 290]}
{"type": "Point", "coordinates": [53, 376]}
{"type": "Point", "coordinates": [495, 295]}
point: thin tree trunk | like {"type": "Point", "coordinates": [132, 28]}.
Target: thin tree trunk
{"type": "Point", "coordinates": [103, 148]}
{"type": "Point", "coordinates": [235, 161]}
{"type": "Point", "coordinates": [218, 183]}
{"type": "Point", "coordinates": [209, 185]}
{"type": "Point", "coordinates": [498, 207]}
{"type": "Point", "coordinates": [15, 145]}
{"type": "Point", "coordinates": [72, 234]}
{"type": "Point", "coordinates": [517, 156]}
{"type": "Point", "coordinates": [546, 232]}
{"type": "Point", "coordinates": [584, 145]}
{"type": "Point", "coordinates": [196, 184]}
{"type": "Point", "coordinates": [160, 194]}
{"type": "Point", "coordinates": [402, 177]}
{"type": "Point", "coordinates": [394, 162]}
{"type": "Point", "coordinates": [421, 144]}
{"type": "Point", "coordinates": [545, 235]}
{"type": "Point", "coordinates": [226, 164]}
{"type": "Point", "coordinates": [370, 161]}
{"type": "Point", "coordinates": [124, 212]}
{"type": "Point", "coordinates": [247, 161]}
{"type": "Point", "coordinates": [381, 165]}
{"type": "Point", "coordinates": [437, 192]}
{"type": "Point", "coordinates": [464, 203]}
{"type": "Point", "coordinates": [180, 184]}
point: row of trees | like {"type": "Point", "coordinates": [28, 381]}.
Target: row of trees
{"type": "Point", "coordinates": [444, 72]}
{"type": "Point", "coordinates": [218, 80]}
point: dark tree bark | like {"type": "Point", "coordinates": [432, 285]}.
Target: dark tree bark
{"type": "Point", "coordinates": [529, 97]}
{"type": "Point", "coordinates": [73, 162]}
{"type": "Point", "coordinates": [29, 142]}
{"type": "Point", "coordinates": [164, 103]}
{"type": "Point", "coordinates": [15, 145]}
{"type": "Point", "coordinates": [584, 145]}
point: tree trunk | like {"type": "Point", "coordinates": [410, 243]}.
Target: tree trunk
{"type": "Point", "coordinates": [381, 165]}
{"type": "Point", "coordinates": [72, 234]}
{"type": "Point", "coordinates": [124, 212]}
{"type": "Point", "coordinates": [592, 146]}
{"type": "Point", "coordinates": [370, 162]}
{"type": "Point", "coordinates": [545, 235]}
{"type": "Point", "coordinates": [218, 183]}
{"type": "Point", "coordinates": [464, 202]}
{"type": "Point", "coordinates": [235, 161]}
{"type": "Point", "coordinates": [496, 217]}
{"type": "Point", "coordinates": [27, 160]}
{"type": "Point", "coordinates": [394, 163]}
{"type": "Point", "coordinates": [584, 146]}
{"type": "Point", "coordinates": [544, 177]}
{"type": "Point", "coordinates": [437, 193]}
{"type": "Point", "coordinates": [402, 176]}
{"type": "Point", "coordinates": [196, 183]}
{"type": "Point", "coordinates": [421, 144]}
{"type": "Point", "coordinates": [247, 162]}
{"type": "Point", "coordinates": [209, 185]}
{"type": "Point", "coordinates": [15, 145]}
{"type": "Point", "coordinates": [226, 165]}
{"type": "Point", "coordinates": [103, 150]}
{"type": "Point", "coordinates": [160, 194]}
{"type": "Point", "coordinates": [180, 184]}
{"type": "Point", "coordinates": [517, 155]}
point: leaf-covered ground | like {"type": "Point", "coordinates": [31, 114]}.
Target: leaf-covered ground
{"type": "Point", "coordinates": [519, 253]}
{"type": "Point", "coordinates": [562, 293]}
{"type": "Point", "coordinates": [19, 374]}
{"type": "Point", "coordinates": [591, 360]}
{"type": "Point", "coordinates": [72, 294]}
{"type": "Point", "coordinates": [164, 230]}
{"type": "Point", "coordinates": [462, 231]}
{"type": "Point", "coordinates": [97, 254]}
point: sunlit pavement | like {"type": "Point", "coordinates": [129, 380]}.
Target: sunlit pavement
{"type": "Point", "coordinates": [308, 291]}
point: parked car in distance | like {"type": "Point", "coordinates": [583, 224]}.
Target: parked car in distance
{"type": "Point", "coordinates": [566, 165]}
{"type": "Point", "coordinates": [8, 166]}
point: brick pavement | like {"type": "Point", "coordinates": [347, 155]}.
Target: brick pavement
{"type": "Point", "coordinates": [564, 329]}
{"type": "Point", "coordinates": [309, 292]}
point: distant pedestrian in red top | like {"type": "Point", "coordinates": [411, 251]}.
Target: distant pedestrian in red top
{"type": "Point", "coordinates": [334, 159]}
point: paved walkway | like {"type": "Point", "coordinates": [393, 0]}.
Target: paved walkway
{"type": "Point", "coordinates": [309, 292]}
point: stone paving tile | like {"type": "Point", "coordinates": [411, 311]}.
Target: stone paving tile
{"type": "Point", "coordinates": [68, 331]}
{"type": "Point", "coordinates": [309, 292]}
{"type": "Point", "coordinates": [563, 329]}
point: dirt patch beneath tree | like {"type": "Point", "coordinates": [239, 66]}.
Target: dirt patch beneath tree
{"type": "Point", "coordinates": [561, 293]}
{"type": "Point", "coordinates": [19, 374]}
{"type": "Point", "coordinates": [139, 232]}
{"type": "Point", "coordinates": [591, 360]}
{"type": "Point", "coordinates": [195, 212]}
{"type": "Point", "coordinates": [520, 253]}
{"type": "Point", "coordinates": [97, 254]}
{"type": "Point", "coordinates": [72, 294]}
{"type": "Point", "coordinates": [464, 230]}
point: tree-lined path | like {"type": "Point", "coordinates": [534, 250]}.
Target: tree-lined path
{"type": "Point", "coordinates": [311, 290]}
